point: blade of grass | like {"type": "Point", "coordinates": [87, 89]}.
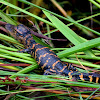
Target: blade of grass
{"type": "Point", "coordinates": [17, 59]}
{"type": "Point", "coordinates": [26, 12]}
{"type": "Point", "coordinates": [73, 22]}
{"type": "Point", "coordinates": [84, 57]}
{"type": "Point", "coordinates": [16, 54]}
{"type": "Point", "coordinates": [89, 17]}
{"type": "Point", "coordinates": [67, 32]}
{"type": "Point", "coordinates": [81, 47]}
{"type": "Point", "coordinates": [25, 70]}
{"type": "Point", "coordinates": [9, 39]}
{"type": "Point", "coordinates": [98, 1]}
{"type": "Point", "coordinates": [92, 93]}
{"type": "Point", "coordinates": [10, 67]}
{"type": "Point", "coordinates": [24, 98]}
{"type": "Point", "coordinates": [83, 63]}
{"type": "Point", "coordinates": [12, 11]}
{"type": "Point", "coordinates": [67, 19]}
{"type": "Point", "coordinates": [7, 48]}
{"type": "Point", "coordinates": [95, 3]}
{"type": "Point", "coordinates": [7, 18]}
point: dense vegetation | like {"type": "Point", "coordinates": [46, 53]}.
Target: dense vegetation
{"type": "Point", "coordinates": [75, 22]}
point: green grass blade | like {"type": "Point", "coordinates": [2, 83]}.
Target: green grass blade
{"type": "Point", "coordinates": [95, 3]}
{"type": "Point", "coordinates": [81, 47]}
{"type": "Point", "coordinates": [7, 18]}
{"type": "Point", "coordinates": [9, 39]}
{"type": "Point", "coordinates": [26, 12]}
{"type": "Point", "coordinates": [12, 11]}
{"type": "Point", "coordinates": [83, 63]}
{"type": "Point", "coordinates": [7, 48]}
{"type": "Point", "coordinates": [84, 57]}
{"type": "Point", "coordinates": [67, 19]}
{"type": "Point", "coordinates": [10, 67]}
{"type": "Point", "coordinates": [16, 54]}
{"type": "Point", "coordinates": [92, 93]}
{"type": "Point", "coordinates": [26, 70]}
{"type": "Point", "coordinates": [17, 59]}
{"type": "Point", "coordinates": [67, 32]}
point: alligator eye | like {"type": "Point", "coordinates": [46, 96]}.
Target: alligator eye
{"type": "Point", "coordinates": [15, 31]}
{"type": "Point", "coordinates": [18, 34]}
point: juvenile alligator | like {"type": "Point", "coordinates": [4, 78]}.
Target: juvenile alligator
{"type": "Point", "coordinates": [46, 58]}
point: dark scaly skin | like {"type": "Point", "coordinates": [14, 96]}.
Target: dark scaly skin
{"type": "Point", "coordinates": [45, 57]}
